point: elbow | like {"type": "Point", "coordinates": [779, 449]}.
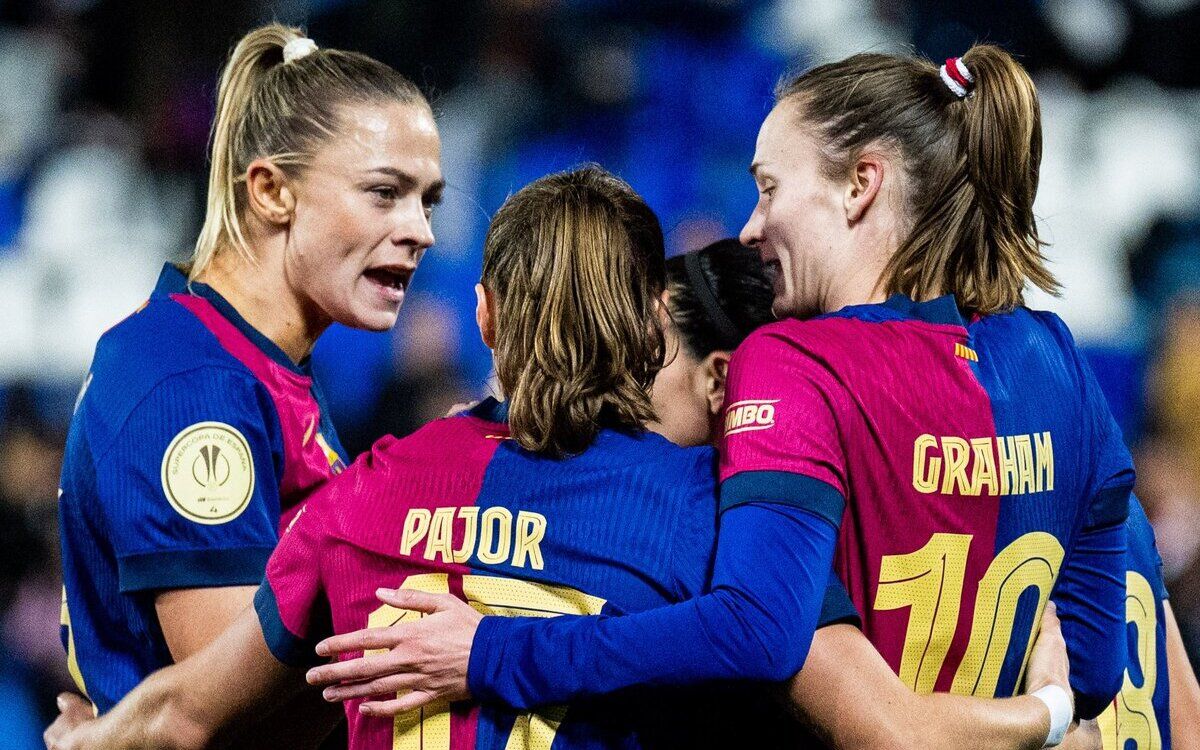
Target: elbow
{"type": "Point", "coordinates": [779, 654]}
{"type": "Point", "coordinates": [1092, 697]}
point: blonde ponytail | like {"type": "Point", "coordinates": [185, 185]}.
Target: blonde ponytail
{"type": "Point", "coordinates": [269, 108]}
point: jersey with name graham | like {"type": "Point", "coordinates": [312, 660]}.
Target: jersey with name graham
{"type": "Point", "coordinates": [194, 441]}
{"type": "Point", "coordinates": [459, 507]}
{"type": "Point", "coordinates": [974, 469]}
{"type": "Point", "coordinates": [1139, 714]}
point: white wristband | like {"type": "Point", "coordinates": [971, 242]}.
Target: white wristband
{"type": "Point", "coordinates": [1061, 713]}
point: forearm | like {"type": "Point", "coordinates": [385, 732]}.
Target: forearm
{"type": "Point", "coordinates": [154, 716]}
{"type": "Point", "coordinates": [769, 581]}
{"type": "Point", "coordinates": [850, 695]}
{"type": "Point", "coordinates": [1185, 692]}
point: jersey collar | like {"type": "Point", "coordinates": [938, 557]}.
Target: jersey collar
{"type": "Point", "coordinates": [490, 410]}
{"type": "Point", "coordinates": [174, 281]}
{"type": "Point", "coordinates": [943, 310]}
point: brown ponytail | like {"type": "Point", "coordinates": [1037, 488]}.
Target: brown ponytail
{"type": "Point", "coordinates": [282, 111]}
{"type": "Point", "coordinates": [575, 262]}
{"type": "Point", "coordinates": [971, 167]}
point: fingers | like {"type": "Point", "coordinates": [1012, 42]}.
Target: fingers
{"type": "Point", "coordinates": [410, 702]}
{"type": "Point", "coordinates": [355, 670]}
{"type": "Point", "coordinates": [417, 601]}
{"type": "Point", "coordinates": [393, 683]}
{"type": "Point", "coordinates": [75, 706]}
{"type": "Point", "coordinates": [360, 640]}
{"type": "Point", "coordinates": [1050, 617]}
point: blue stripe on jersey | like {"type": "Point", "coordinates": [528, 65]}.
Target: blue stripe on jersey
{"type": "Point", "coordinates": [1031, 400]}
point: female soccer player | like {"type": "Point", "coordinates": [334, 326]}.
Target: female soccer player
{"type": "Point", "coordinates": [950, 443]}
{"type": "Point", "coordinates": [507, 527]}
{"type": "Point", "coordinates": [719, 294]}
{"type": "Point", "coordinates": [200, 429]}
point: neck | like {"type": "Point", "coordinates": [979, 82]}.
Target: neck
{"type": "Point", "coordinates": [262, 296]}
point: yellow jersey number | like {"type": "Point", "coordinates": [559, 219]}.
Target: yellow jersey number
{"type": "Point", "coordinates": [428, 728]}
{"type": "Point", "coordinates": [1131, 715]}
{"type": "Point", "coordinates": [930, 582]}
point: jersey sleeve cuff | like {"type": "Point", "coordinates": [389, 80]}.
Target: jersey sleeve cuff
{"type": "Point", "coordinates": [287, 647]}
{"type": "Point", "coordinates": [838, 608]}
{"type": "Point", "coordinates": [1110, 507]}
{"type": "Point", "coordinates": [478, 663]}
{"type": "Point", "coordinates": [813, 495]}
{"type": "Point", "coordinates": [188, 569]}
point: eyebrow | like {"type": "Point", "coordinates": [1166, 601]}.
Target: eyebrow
{"type": "Point", "coordinates": [433, 193]}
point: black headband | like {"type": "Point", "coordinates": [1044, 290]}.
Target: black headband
{"type": "Point", "coordinates": [708, 300]}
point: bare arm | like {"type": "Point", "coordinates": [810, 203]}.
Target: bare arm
{"type": "Point", "coordinates": [196, 702]}
{"type": "Point", "coordinates": [1185, 692]}
{"type": "Point", "coordinates": [850, 695]}
{"type": "Point", "coordinates": [193, 618]}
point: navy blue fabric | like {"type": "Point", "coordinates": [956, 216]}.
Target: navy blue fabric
{"type": "Point", "coordinates": [287, 648]}
{"type": "Point", "coordinates": [1052, 390]}
{"type": "Point", "coordinates": [1145, 562]}
{"type": "Point", "coordinates": [756, 622]}
{"type": "Point", "coordinates": [153, 375]}
{"type": "Point", "coordinates": [804, 492]}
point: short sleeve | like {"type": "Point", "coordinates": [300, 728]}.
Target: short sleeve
{"type": "Point", "coordinates": [1143, 549]}
{"type": "Point", "coordinates": [292, 604]}
{"type": "Point", "coordinates": [781, 440]}
{"type": "Point", "coordinates": [1113, 475]}
{"type": "Point", "coordinates": [188, 486]}
{"type": "Point", "coordinates": [837, 607]}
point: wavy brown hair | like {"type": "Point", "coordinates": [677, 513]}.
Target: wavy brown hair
{"type": "Point", "coordinates": [970, 167]}
{"type": "Point", "coordinates": [575, 262]}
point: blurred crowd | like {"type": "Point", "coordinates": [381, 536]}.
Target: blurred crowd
{"type": "Point", "coordinates": [105, 113]}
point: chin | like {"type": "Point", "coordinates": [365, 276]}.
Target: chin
{"type": "Point", "coordinates": [375, 321]}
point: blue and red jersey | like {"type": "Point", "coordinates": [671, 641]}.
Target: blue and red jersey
{"type": "Point", "coordinates": [193, 443]}
{"type": "Point", "coordinates": [459, 507]}
{"type": "Point", "coordinates": [964, 472]}
{"type": "Point", "coordinates": [1140, 712]}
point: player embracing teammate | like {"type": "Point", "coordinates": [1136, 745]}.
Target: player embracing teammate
{"type": "Point", "coordinates": [947, 443]}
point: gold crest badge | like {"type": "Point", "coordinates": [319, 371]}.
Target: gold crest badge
{"type": "Point", "coordinates": [208, 473]}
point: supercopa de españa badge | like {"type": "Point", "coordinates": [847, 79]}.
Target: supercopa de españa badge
{"type": "Point", "coordinates": [208, 473]}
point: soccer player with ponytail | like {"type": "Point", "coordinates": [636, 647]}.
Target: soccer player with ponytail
{"type": "Point", "coordinates": [200, 429]}
{"type": "Point", "coordinates": [950, 445]}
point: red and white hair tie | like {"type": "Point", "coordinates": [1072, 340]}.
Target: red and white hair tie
{"type": "Point", "coordinates": [956, 77]}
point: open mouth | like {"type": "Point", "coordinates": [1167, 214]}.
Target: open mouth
{"type": "Point", "coordinates": [773, 269]}
{"type": "Point", "coordinates": [391, 277]}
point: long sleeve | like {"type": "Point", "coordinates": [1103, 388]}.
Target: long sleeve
{"type": "Point", "coordinates": [769, 581]}
{"type": "Point", "coordinates": [1090, 597]}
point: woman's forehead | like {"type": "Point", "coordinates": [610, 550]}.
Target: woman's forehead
{"type": "Point", "coordinates": [378, 134]}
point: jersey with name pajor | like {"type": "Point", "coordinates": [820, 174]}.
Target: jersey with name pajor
{"type": "Point", "coordinates": [194, 441]}
{"type": "Point", "coordinates": [459, 507]}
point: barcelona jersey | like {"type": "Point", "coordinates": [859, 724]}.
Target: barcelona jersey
{"type": "Point", "coordinates": [957, 473]}
{"type": "Point", "coordinates": [458, 507]}
{"type": "Point", "coordinates": [194, 441]}
{"type": "Point", "coordinates": [1139, 713]}
{"type": "Point", "coordinates": [981, 472]}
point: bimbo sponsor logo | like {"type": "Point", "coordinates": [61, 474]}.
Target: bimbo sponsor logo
{"type": "Point", "coordinates": [750, 415]}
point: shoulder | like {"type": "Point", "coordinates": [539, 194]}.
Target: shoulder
{"type": "Point", "coordinates": [158, 341]}
{"type": "Point", "coordinates": [159, 365]}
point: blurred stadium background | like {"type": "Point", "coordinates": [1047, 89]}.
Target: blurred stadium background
{"type": "Point", "coordinates": [104, 114]}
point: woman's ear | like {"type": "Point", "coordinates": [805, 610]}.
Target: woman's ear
{"type": "Point", "coordinates": [714, 370]}
{"type": "Point", "coordinates": [269, 194]}
{"type": "Point", "coordinates": [485, 315]}
{"type": "Point", "coordinates": [866, 179]}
